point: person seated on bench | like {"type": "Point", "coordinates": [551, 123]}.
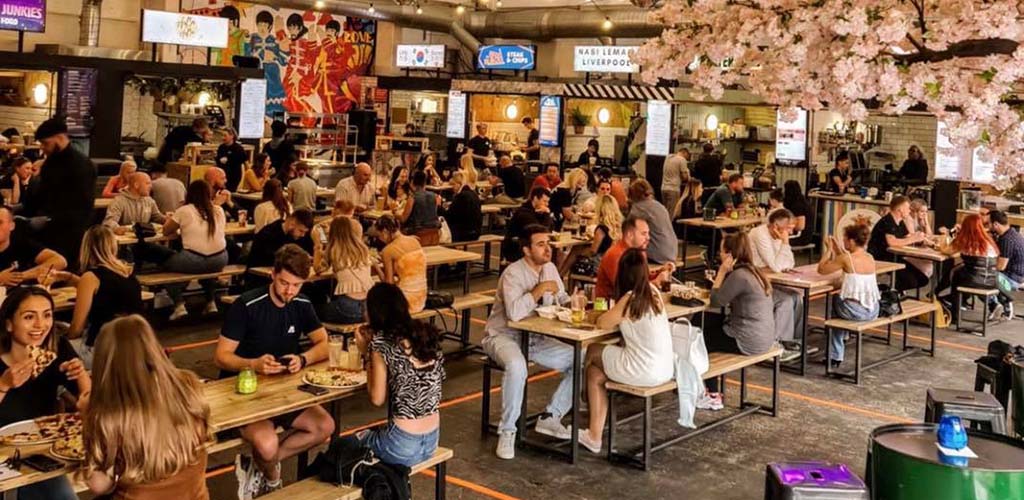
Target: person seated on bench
{"type": "Point", "coordinates": [858, 297]}
{"type": "Point", "coordinates": [772, 253]}
{"type": "Point", "coordinates": [149, 430]}
{"type": "Point", "coordinates": [404, 369]}
{"type": "Point", "coordinates": [27, 319]}
{"type": "Point", "coordinates": [979, 252]}
{"type": "Point", "coordinates": [892, 231]}
{"type": "Point", "coordinates": [133, 205]}
{"type": "Point", "coordinates": [664, 246]}
{"type": "Point", "coordinates": [273, 207]}
{"type": "Point", "coordinates": [403, 261]}
{"type": "Point", "coordinates": [533, 211]}
{"type": "Point", "coordinates": [645, 360]}
{"type": "Point", "coordinates": [918, 222]}
{"type": "Point", "coordinates": [263, 326]}
{"type": "Point", "coordinates": [513, 182]}
{"type": "Point", "coordinates": [220, 193]}
{"type": "Point", "coordinates": [420, 216]}
{"type": "Point", "coordinates": [1010, 262]}
{"type": "Point", "coordinates": [521, 287]}
{"type": "Point", "coordinates": [204, 249]}
{"type": "Point", "coordinates": [293, 229]}
{"type": "Point", "coordinates": [348, 257]}
{"type": "Point", "coordinates": [748, 326]}
{"type": "Point", "coordinates": [107, 289]}
{"type": "Point", "coordinates": [635, 234]}
{"type": "Point", "coordinates": [463, 214]}
{"type": "Point", "coordinates": [256, 177]}
{"type": "Point", "coordinates": [607, 231]}
{"type": "Point", "coordinates": [565, 197]}
{"type": "Point", "coordinates": [21, 258]}
{"type": "Point", "coordinates": [302, 189]}
{"type": "Point", "coordinates": [120, 181]}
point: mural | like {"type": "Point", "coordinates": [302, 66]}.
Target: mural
{"type": "Point", "coordinates": [313, 61]}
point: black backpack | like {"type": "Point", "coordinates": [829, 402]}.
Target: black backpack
{"type": "Point", "coordinates": [346, 462]}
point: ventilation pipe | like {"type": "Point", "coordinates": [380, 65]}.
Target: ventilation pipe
{"type": "Point", "coordinates": [89, 23]}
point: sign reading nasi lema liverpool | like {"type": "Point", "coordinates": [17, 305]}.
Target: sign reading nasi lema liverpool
{"type": "Point", "coordinates": [604, 59]}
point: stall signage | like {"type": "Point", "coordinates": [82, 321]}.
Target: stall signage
{"type": "Point", "coordinates": [516, 57]}
{"type": "Point", "coordinates": [23, 15]}
{"type": "Point", "coordinates": [791, 137]}
{"type": "Point", "coordinates": [659, 127]}
{"type": "Point", "coordinates": [604, 59]}
{"type": "Point", "coordinates": [184, 29]}
{"type": "Point", "coordinates": [456, 128]}
{"type": "Point", "coordinates": [550, 120]}
{"type": "Point", "coordinates": [251, 109]}
{"type": "Point", "coordinates": [420, 56]}
{"type": "Point", "coordinates": [959, 164]}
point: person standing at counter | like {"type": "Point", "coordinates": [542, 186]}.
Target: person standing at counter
{"type": "Point", "coordinates": [231, 157]}
{"type": "Point", "coordinates": [280, 149]}
{"type": "Point", "coordinates": [676, 173]}
{"type": "Point", "coordinates": [708, 168]}
{"type": "Point", "coordinates": [179, 137]}
{"type": "Point", "coordinates": [590, 156]}
{"type": "Point", "coordinates": [532, 146]}
{"type": "Point", "coordinates": [480, 146]}
{"type": "Point", "coordinates": [915, 169]}
{"type": "Point", "coordinates": [839, 178]}
{"type": "Point", "coordinates": [66, 191]}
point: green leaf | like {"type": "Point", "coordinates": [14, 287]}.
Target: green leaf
{"type": "Point", "coordinates": [988, 75]}
{"type": "Point", "coordinates": [933, 88]}
{"type": "Point", "coordinates": [985, 138]}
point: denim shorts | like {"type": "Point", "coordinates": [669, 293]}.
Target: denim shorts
{"type": "Point", "coordinates": [395, 446]}
{"type": "Point", "coordinates": [343, 309]}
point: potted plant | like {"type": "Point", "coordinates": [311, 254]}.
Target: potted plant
{"type": "Point", "coordinates": [578, 119]}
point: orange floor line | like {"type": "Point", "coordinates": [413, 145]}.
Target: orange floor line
{"type": "Point", "coordinates": [827, 403]}
{"type": "Point", "coordinates": [469, 485]}
{"type": "Point", "coordinates": [193, 345]}
{"type": "Point", "coordinates": [220, 470]}
{"type": "Point", "coordinates": [946, 343]}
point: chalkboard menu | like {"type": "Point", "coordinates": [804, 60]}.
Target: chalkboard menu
{"type": "Point", "coordinates": [77, 97]}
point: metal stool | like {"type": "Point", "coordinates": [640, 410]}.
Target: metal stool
{"type": "Point", "coordinates": [981, 408]}
{"type": "Point", "coordinates": [812, 480]}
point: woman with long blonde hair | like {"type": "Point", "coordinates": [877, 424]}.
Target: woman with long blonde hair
{"type": "Point", "coordinates": [563, 197]}
{"type": "Point", "coordinates": [350, 261]}
{"type": "Point", "coordinates": [107, 288]}
{"type": "Point", "coordinates": [469, 173]}
{"type": "Point", "coordinates": [147, 425]}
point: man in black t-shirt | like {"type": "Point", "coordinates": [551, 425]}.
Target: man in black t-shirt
{"type": "Point", "coordinates": [179, 137]}
{"type": "Point", "coordinates": [480, 145]}
{"type": "Point", "coordinates": [536, 210]}
{"type": "Point", "coordinates": [891, 231]}
{"type": "Point", "coordinates": [513, 182]}
{"type": "Point", "coordinates": [261, 332]}
{"type": "Point", "coordinates": [532, 146]}
{"type": "Point", "coordinates": [21, 258]}
{"type": "Point", "coordinates": [839, 177]}
{"type": "Point", "coordinates": [293, 229]}
{"type": "Point", "coordinates": [708, 168]}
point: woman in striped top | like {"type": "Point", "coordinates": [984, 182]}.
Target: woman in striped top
{"type": "Point", "coordinates": [404, 367]}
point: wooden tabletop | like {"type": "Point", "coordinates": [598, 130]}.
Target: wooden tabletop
{"type": "Point", "coordinates": [232, 229]}
{"type": "Point", "coordinates": [64, 297]}
{"type": "Point", "coordinates": [809, 277]}
{"type": "Point", "coordinates": [849, 198]}
{"type": "Point", "coordinates": [321, 192]}
{"type": "Point", "coordinates": [566, 239]}
{"type": "Point", "coordinates": [1013, 219]}
{"type": "Point", "coordinates": [479, 185]}
{"type": "Point", "coordinates": [436, 255]}
{"type": "Point", "coordinates": [102, 203]}
{"type": "Point", "coordinates": [723, 222]}
{"type": "Point", "coordinates": [922, 253]}
{"type": "Point", "coordinates": [588, 333]}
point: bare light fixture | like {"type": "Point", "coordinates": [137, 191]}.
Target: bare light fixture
{"type": "Point", "coordinates": [604, 116]}
{"type": "Point", "coordinates": [419, 10]}
{"type": "Point", "coordinates": [511, 111]}
{"type": "Point", "coordinates": [319, 4]}
{"type": "Point", "coordinates": [40, 93]}
{"type": "Point", "coordinates": [204, 98]}
{"type": "Point", "coordinates": [607, 24]}
{"type": "Point", "coordinates": [498, 3]}
{"type": "Point", "coordinates": [711, 122]}
{"type": "Point", "coordinates": [460, 10]}
{"type": "Point", "coordinates": [371, 10]}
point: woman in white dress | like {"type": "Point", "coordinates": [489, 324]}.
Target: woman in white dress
{"type": "Point", "coordinates": [645, 359]}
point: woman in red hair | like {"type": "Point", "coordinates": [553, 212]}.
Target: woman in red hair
{"type": "Point", "coordinates": [979, 253]}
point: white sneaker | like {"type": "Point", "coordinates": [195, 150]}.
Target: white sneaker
{"type": "Point", "coordinates": [506, 445]}
{"type": "Point", "coordinates": [550, 426]}
{"type": "Point", "coordinates": [710, 401]}
{"type": "Point", "coordinates": [593, 446]}
{"type": "Point", "coordinates": [211, 308]}
{"type": "Point", "coordinates": [248, 475]}
{"type": "Point", "coordinates": [161, 300]}
{"type": "Point", "coordinates": [179, 312]}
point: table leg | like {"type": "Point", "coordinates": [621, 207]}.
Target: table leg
{"type": "Point", "coordinates": [434, 271]}
{"type": "Point", "coordinates": [465, 282]}
{"type": "Point", "coordinates": [803, 342]}
{"type": "Point", "coordinates": [524, 345]}
{"type": "Point", "coordinates": [686, 244]}
{"type": "Point", "coordinates": [577, 355]}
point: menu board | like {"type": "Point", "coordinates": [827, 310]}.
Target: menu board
{"type": "Point", "coordinates": [659, 127]}
{"type": "Point", "coordinates": [251, 108]}
{"type": "Point", "coordinates": [959, 164]}
{"type": "Point", "coordinates": [23, 15]}
{"type": "Point", "coordinates": [456, 128]}
{"type": "Point", "coordinates": [550, 119]}
{"type": "Point", "coordinates": [791, 138]}
{"type": "Point", "coordinates": [420, 56]}
{"type": "Point", "coordinates": [184, 29]}
{"type": "Point", "coordinates": [76, 98]}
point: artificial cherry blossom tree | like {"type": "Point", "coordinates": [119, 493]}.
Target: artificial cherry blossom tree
{"type": "Point", "coordinates": [958, 58]}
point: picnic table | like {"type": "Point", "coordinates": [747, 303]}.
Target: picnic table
{"type": "Point", "coordinates": [1013, 219]}
{"type": "Point", "coordinates": [808, 280]}
{"type": "Point", "coordinates": [64, 297]}
{"type": "Point", "coordinates": [102, 203]}
{"type": "Point", "coordinates": [929, 254]}
{"type": "Point", "coordinates": [232, 229]}
{"type": "Point", "coordinates": [717, 225]}
{"type": "Point", "coordinates": [256, 196]}
{"type": "Point", "coordinates": [578, 337]}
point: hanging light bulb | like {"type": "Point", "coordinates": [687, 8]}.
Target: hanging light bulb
{"type": "Point", "coordinates": [371, 10]}
{"type": "Point", "coordinates": [319, 4]}
{"type": "Point", "coordinates": [419, 10]}
{"type": "Point", "coordinates": [460, 10]}
{"type": "Point", "coordinates": [607, 24]}
{"type": "Point", "coordinates": [498, 3]}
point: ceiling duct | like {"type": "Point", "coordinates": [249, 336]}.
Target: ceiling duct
{"type": "Point", "coordinates": [89, 23]}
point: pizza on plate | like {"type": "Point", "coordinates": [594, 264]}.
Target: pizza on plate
{"type": "Point", "coordinates": [42, 357]}
{"type": "Point", "coordinates": [47, 428]}
{"type": "Point", "coordinates": [334, 377]}
{"type": "Point", "coordinates": [69, 448]}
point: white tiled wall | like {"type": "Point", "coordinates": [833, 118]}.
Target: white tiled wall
{"type": "Point", "coordinates": [17, 116]}
{"type": "Point", "coordinates": [137, 116]}
{"type": "Point", "coordinates": [901, 132]}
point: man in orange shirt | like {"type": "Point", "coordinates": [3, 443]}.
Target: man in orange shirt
{"type": "Point", "coordinates": [635, 234]}
{"type": "Point", "coordinates": [550, 180]}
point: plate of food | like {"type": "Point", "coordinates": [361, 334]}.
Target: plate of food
{"type": "Point", "coordinates": [41, 430]}
{"type": "Point", "coordinates": [334, 378]}
{"type": "Point", "coordinates": [548, 312]}
{"type": "Point", "coordinates": [70, 448]}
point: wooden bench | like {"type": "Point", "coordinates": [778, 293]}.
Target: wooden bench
{"type": "Point", "coordinates": [163, 279]}
{"type": "Point", "coordinates": [314, 489]}
{"type": "Point", "coordinates": [580, 278]}
{"type": "Point", "coordinates": [958, 300]}
{"type": "Point", "coordinates": [463, 305]}
{"type": "Point", "coordinates": [720, 364]}
{"type": "Point", "coordinates": [911, 308]}
{"type": "Point", "coordinates": [486, 240]}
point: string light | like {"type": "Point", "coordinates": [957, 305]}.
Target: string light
{"type": "Point", "coordinates": [371, 10]}
{"type": "Point", "coordinates": [498, 3]}
{"type": "Point", "coordinates": [460, 10]}
{"type": "Point", "coordinates": [607, 24]}
{"type": "Point", "coordinates": [419, 10]}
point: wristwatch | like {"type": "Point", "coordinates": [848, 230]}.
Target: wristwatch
{"type": "Point", "coordinates": [302, 360]}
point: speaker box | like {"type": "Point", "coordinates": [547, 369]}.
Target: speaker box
{"type": "Point", "coordinates": [366, 123]}
{"type": "Point", "coordinates": [245, 62]}
{"type": "Point", "coordinates": [812, 481]}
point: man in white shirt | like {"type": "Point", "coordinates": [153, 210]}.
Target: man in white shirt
{"type": "Point", "coordinates": [676, 173]}
{"type": "Point", "coordinates": [769, 247]}
{"type": "Point", "coordinates": [357, 188]}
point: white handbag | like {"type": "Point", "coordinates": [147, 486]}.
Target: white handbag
{"type": "Point", "coordinates": [445, 232]}
{"type": "Point", "coordinates": [691, 356]}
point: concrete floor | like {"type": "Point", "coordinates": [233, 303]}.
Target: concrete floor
{"type": "Point", "coordinates": [819, 419]}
